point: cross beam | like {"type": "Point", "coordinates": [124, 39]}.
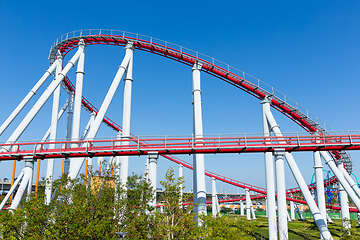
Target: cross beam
{"type": "Point", "coordinates": [179, 145]}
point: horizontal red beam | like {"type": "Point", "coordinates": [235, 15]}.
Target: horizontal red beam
{"type": "Point", "coordinates": [179, 145]}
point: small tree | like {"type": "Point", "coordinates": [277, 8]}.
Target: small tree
{"type": "Point", "coordinates": [177, 220]}
{"type": "Point", "coordinates": [135, 209]}
{"type": "Point", "coordinates": [80, 212]}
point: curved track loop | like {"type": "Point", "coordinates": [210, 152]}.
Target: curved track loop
{"type": "Point", "coordinates": [282, 106]}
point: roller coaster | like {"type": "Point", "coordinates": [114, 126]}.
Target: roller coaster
{"type": "Point", "coordinates": [332, 147]}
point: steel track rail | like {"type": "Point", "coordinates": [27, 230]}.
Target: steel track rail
{"type": "Point", "coordinates": [70, 41]}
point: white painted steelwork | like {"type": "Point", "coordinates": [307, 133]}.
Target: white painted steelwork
{"type": "Point", "coordinates": [89, 173]}
{"type": "Point", "coordinates": [328, 218]}
{"type": "Point", "coordinates": [288, 217]}
{"type": "Point", "coordinates": [253, 213]}
{"type": "Point", "coordinates": [128, 80]}
{"type": "Point", "coordinates": [248, 83]}
{"type": "Point", "coordinates": [242, 207]}
{"type": "Point", "coordinates": [41, 101]}
{"type": "Point", "coordinates": [281, 193]}
{"type": "Point", "coordinates": [70, 114]}
{"type": "Point", "coordinates": [153, 175]}
{"type": "Point", "coordinates": [181, 185]}
{"type": "Point", "coordinates": [76, 116]}
{"type": "Point", "coordinates": [31, 176]}
{"type": "Point", "coordinates": [88, 125]}
{"type": "Point", "coordinates": [19, 178]}
{"type": "Point", "coordinates": [320, 192]}
{"type": "Point", "coordinates": [320, 222]}
{"type": "Point", "coordinates": [248, 204]}
{"type": "Point", "coordinates": [214, 199]}
{"type": "Point", "coordinates": [341, 179]}
{"type": "Point", "coordinates": [270, 182]}
{"type": "Point", "coordinates": [344, 201]}
{"type": "Point", "coordinates": [78, 94]}
{"type": "Point", "coordinates": [29, 167]}
{"type": "Point", "coordinates": [198, 159]}
{"type": "Point", "coordinates": [227, 74]}
{"type": "Point", "coordinates": [292, 210]}
{"type": "Point", "coordinates": [266, 207]}
{"type": "Point", "coordinates": [74, 171]}
{"type": "Point", "coordinates": [27, 98]}
{"type": "Point", "coordinates": [61, 112]}
{"type": "Point", "coordinates": [53, 131]}
{"type": "Point", "coordinates": [351, 182]}
{"type": "Point", "coordinates": [146, 171]}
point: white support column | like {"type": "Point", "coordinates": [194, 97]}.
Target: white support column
{"type": "Point", "coordinates": [248, 204]}
{"type": "Point", "coordinates": [214, 202]}
{"type": "Point", "coordinates": [344, 201]}
{"type": "Point", "coordinates": [328, 218]}
{"type": "Point", "coordinates": [42, 100]}
{"type": "Point", "coordinates": [31, 174]}
{"type": "Point", "coordinates": [270, 179]}
{"type": "Point", "coordinates": [89, 173]}
{"type": "Point", "coordinates": [53, 131]}
{"type": "Point", "coordinates": [153, 156]}
{"type": "Point", "coordinates": [29, 167]}
{"type": "Point", "coordinates": [19, 178]}
{"type": "Point", "coordinates": [75, 168]}
{"type": "Point", "coordinates": [69, 128]}
{"type": "Point", "coordinates": [288, 217]}
{"type": "Point", "coordinates": [27, 98]}
{"type": "Point", "coordinates": [281, 192]}
{"type": "Point", "coordinates": [297, 209]}
{"type": "Point", "coordinates": [146, 170]}
{"type": "Point", "coordinates": [78, 94]}
{"type": "Point", "coordinates": [75, 133]}
{"type": "Point", "coordinates": [242, 206]}
{"type": "Point", "coordinates": [320, 222]}
{"type": "Point", "coordinates": [118, 165]}
{"type": "Point", "coordinates": [292, 210]}
{"type": "Point", "coordinates": [88, 126]}
{"type": "Point", "coordinates": [320, 192]}
{"type": "Point", "coordinates": [340, 176]}
{"type": "Point", "coordinates": [61, 112]}
{"type": "Point", "coordinates": [252, 212]}
{"type": "Point", "coordinates": [266, 207]}
{"type": "Point", "coordinates": [198, 159]}
{"type": "Point", "coordinates": [128, 80]}
{"type": "Point", "coordinates": [181, 185]}
{"type": "Point", "coordinates": [351, 182]}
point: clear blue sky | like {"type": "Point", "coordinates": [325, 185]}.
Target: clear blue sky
{"type": "Point", "coordinates": [308, 50]}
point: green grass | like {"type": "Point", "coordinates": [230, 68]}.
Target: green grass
{"type": "Point", "coordinates": [307, 229]}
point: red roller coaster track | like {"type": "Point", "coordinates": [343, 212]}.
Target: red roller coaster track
{"type": "Point", "coordinates": [240, 82]}
{"type": "Point", "coordinates": [293, 113]}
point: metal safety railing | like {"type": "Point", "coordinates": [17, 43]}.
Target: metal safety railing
{"type": "Point", "coordinates": [251, 81]}
{"type": "Point", "coordinates": [256, 82]}
{"type": "Point", "coordinates": [181, 145]}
